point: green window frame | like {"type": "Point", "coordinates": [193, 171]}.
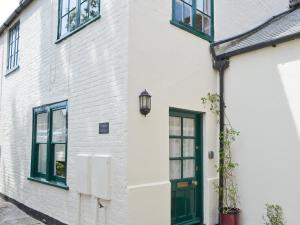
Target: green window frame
{"type": "Point", "coordinates": [49, 144]}
{"type": "Point", "coordinates": [13, 47]}
{"type": "Point", "coordinates": [76, 14]}
{"type": "Point", "coordinates": [194, 16]}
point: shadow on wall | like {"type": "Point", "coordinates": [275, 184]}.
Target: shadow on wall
{"type": "Point", "coordinates": [262, 94]}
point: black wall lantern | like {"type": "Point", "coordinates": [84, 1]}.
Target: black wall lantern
{"type": "Point", "coordinates": [145, 102]}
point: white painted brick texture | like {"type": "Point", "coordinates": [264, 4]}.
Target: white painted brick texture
{"type": "Point", "coordinates": [90, 70]}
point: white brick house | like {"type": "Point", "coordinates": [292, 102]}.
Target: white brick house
{"type": "Point", "coordinates": [94, 73]}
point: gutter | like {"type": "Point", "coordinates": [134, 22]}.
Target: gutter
{"type": "Point", "coordinates": [265, 44]}
{"type": "Point", "coordinates": [257, 46]}
{"type": "Point", "coordinates": [23, 4]}
{"type": "Point", "coordinates": [253, 30]}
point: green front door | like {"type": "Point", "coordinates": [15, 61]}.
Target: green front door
{"type": "Point", "coordinates": [185, 167]}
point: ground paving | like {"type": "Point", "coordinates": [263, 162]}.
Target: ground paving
{"type": "Point", "coordinates": [12, 215]}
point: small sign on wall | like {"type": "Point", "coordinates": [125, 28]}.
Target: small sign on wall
{"type": "Point", "coordinates": [103, 128]}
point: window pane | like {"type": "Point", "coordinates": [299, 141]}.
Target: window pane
{"type": "Point", "coordinates": [199, 4]}
{"type": "Point", "coordinates": [73, 20]}
{"type": "Point", "coordinates": [175, 125]}
{"type": "Point", "coordinates": [178, 10]}
{"type": "Point", "coordinates": [41, 128]}
{"type": "Point", "coordinates": [94, 8]}
{"type": "Point", "coordinates": [12, 54]}
{"type": "Point", "coordinates": [175, 147]}
{"type": "Point", "coordinates": [188, 147]}
{"type": "Point", "coordinates": [65, 7]}
{"type": "Point", "coordinates": [187, 13]}
{"type": "Point", "coordinates": [188, 168]}
{"type": "Point", "coordinates": [84, 12]}
{"type": "Point", "coordinates": [198, 21]}
{"type": "Point", "coordinates": [206, 25]}
{"type": "Point", "coordinates": [188, 127]}
{"type": "Point", "coordinates": [64, 25]}
{"type": "Point", "coordinates": [73, 4]}
{"type": "Point", "coordinates": [13, 46]}
{"type": "Point", "coordinates": [175, 169]}
{"type": "Point", "coordinates": [60, 160]}
{"type": "Point", "coordinates": [42, 159]}
{"type": "Point", "coordinates": [207, 7]}
{"type": "Point", "coordinates": [59, 129]}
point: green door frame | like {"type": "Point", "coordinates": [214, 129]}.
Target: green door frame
{"type": "Point", "coordinates": [198, 116]}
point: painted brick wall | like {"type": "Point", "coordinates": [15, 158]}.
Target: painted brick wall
{"type": "Point", "coordinates": [90, 70]}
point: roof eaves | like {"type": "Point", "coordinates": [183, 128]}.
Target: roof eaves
{"type": "Point", "coordinates": [23, 4]}
{"type": "Point", "coordinates": [258, 46]}
{"type": "Point", "coordinates": [255, 29]}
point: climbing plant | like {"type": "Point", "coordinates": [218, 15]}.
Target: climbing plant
{"type": "Point", "coordinates": [228, 136]}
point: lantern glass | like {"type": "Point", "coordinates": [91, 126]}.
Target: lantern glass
{"type": "Point", "coordinates": [145, 103]}
{"type": "Point", "coordinates": [149, 103]}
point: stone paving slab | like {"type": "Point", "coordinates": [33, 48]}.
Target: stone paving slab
{"type": "Point", "coordinates": [12, 215]}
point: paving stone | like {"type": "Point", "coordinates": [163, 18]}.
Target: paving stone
{"type": "Point", "coordinates": [12, 215]}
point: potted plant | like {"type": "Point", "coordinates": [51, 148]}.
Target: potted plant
{"type": "Point", "coordinates": [274, 215]}
{"type": "Point", "coordinates": [228, 190]}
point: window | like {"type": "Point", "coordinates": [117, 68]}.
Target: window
{"type": "Point", "coordinates": [75, 13]}
{"type": "Point", "coordinates": [195, 16]}
{"type": "Point", "coordinates": [49, 143]}
{"type": "Point", "coordinates": [13, 47]}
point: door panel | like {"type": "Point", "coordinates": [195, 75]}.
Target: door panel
{"type": "Point", "coordinates": [185, 161]}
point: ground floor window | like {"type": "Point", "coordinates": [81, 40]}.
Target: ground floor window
{"type": "Point", "coordinates": [49, 143]}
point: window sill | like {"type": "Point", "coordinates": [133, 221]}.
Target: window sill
{"type": "Point", "coordinates": [192, 31]}
{"type": "Point", "coordinates": [9, 72]}
{"type": "Point", "coordinates": [51, 183]}
{"type": "Point", "coordinates": [76, 30]}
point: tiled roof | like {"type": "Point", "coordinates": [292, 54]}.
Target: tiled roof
{"type": "Point", "coordinates": [282, 27]}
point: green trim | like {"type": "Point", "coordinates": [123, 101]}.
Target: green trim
{"type": "Point", "coordinates": [191, 29]}
{"type": "Point", "coordinates": [198, 157]}
{"type": "Point", "coordinates": [51, 183]}
{"type": "Point", "coordinates": [194, 222]}
{"type": "Point", "coordinates": [9, 72]}
{"type": "Point", "coordinates": [49, 176]}
{"type": "Point", "coordinates": [78, 25]}
{"type": "Point", "coordinates": [183, 112]}
{"type": "Point", "coordinates": [76, 30]}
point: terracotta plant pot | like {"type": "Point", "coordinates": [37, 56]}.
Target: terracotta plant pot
{"type": "Point", "coordinates": [230, 218]}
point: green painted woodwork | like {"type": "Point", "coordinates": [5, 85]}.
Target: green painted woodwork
{"type": "Point", "coordinates": [73, 18]}
{"type": "Point", "coordinates": [51, 164]}
{"type": "Point", "coordinates": [192, 28]}
{"type": "Point", "coordinates": [187, 190]}
{"type": "Point", "coordinates": [50, 183]}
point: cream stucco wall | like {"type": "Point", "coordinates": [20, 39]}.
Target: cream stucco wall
{"type": "Point", "coordinates": [175, 67]}
{"type": "Point", "coordinates": [263, 103]}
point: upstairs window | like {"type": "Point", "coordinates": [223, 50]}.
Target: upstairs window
{"type": "Point", "coordinates": [49, 144]}
{"type": "Point", "coordinates": [13, 47]}
{"type": "Point", "coordinates": [73, 14]}
{"type": "Point", "coordinates": [195, 16]}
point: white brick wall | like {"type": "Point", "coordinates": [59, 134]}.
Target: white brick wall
{"type": "Point", "coordinates": [90, 70]}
